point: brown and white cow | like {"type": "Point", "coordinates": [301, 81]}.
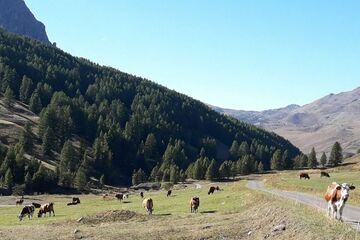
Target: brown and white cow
{"type": "Point", "coordinates": [168, 193]}
{"type": "Point", "coordinates": [304, 175]}
{"type": "Point", "coordinates": [36, 205]}
{"type": "Point", "coordinates": [46, 208]}
{"type": "Point", "coordinates": [119, 196]}
{"type": "Point", "coordinates": [27, 210]}
{"type": "Point", "coordinates": [211, 190]}
{"type": "Point", "coordinates": [148, 205]}
{"type": "Point", "coordinates": [336, 196]}
{"type": "Point", "coordinates": [194, 204]}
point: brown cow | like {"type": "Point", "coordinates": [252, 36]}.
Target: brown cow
{"type": "Point", "coordinates": [211, 190]}
{"type": "Point", "coordinates": [148, 205]}
{"type": "Point", "coordinates": [104, 196]}
{"type": "Point", "coordinates": [46, 208]}
{"type": "Point", "coordinates": [36, 205]}
{"type": "Point", "coordinates": [76, 200]}
{"type": "Point", "coordinates": [27, 210]}
{"type": "Point", "coordinates": [217, 188]}
{"type": "Point", "coordinates": [119, 196]}
{"type": "Point", "coordinates": [194, 204]}
{"type": "Point", "coordinates": [336, 196]}
{"type": "Point", "coordinates": [168, 193]}
{"type": "Point", "coordinates": [324, 174]}
{"type": "Point", "coordinates": [19, 202]}
{"type": "Point", "coordinates": [304, 175]}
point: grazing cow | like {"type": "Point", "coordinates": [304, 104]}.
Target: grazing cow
{"type": "Point", "coordinates": [217, 188]}
{"type": "Point", "coordinates": [76, 200]}
{"type": "Point", "coordinates": [46, 208]}
{"type": "Point", "coordinates": [324, 174]}
{"type": "Point", "coordinates": [141, 194]}
{"type": "Point", "coordinates": [105, 195]}
{"type": "Point", "coordinates": [194, 204]}
{"type": "Point", "coordinates": [36, 205]}
{"type": "Point", "coordinates": [125, 196]}
{"type": "Point", "coordinates": [168, 193]}
{"type": "Point", "coordinates": [211, 190]}
{"type": "Point", "coordinates": [304, 175]}
{"type": "Point", "coordinates": [336, 196]}
{"type": "Point", "coordinates": [119, 196]}
{"type": "Point", "coordinates": [148, 205]}
{"type": "Point", "coordinates": [19, 202]}
{"type": "Point", "coordinates": [27, 210]}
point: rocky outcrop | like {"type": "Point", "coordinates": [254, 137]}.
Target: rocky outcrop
{"type": "Point", "coordinates": [16, 17]}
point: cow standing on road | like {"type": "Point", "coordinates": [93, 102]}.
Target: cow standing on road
{"type": "Point", "coordinates": [336, 196]}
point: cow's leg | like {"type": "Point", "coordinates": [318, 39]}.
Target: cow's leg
{"type": "Point", "coordinates": [340, 213]}
{"type": "Point", "coordinates": [329, 210]}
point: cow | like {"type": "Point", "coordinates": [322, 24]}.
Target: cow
{"type": "Point", "coordinates": [125, 196]}
{"type": "Point", "coordinates": [27, 210]}
{"type": "Point", "coordinates": [194, 204]}
{"type": "Point", "coordinates": [46, 208]}
{"type": "Point", "coordinates": [168, 193]}
{"type": "Point", "coordinates": [104, 196]}
{"type": "Point", "coordinates": [119, 196]}
{"type": "Point", "coordinates": [211, 190]}
{"type": "Point", "coordinates": [36, 205]}
{"type": "Point", "coordinates": [19, 202]}
{"type": "Point", "coordinates": [217, 188]}
{"type": "Point", "coordinates": [141, 194]}
{"type": "Point", "coordinates": [336, 196]}
{"type": "Point", "coordinates": [76, 200]}
{"type": "Point", "coordinates": [324, 174]}
{"type": "Point", "coordinates": [148, 205]}
{"type": "Point", "coordinates": [304, 175]}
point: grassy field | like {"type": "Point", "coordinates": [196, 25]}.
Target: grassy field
{"type": "Point", "coordinates": [289, 180]}
{"type": "Point", "coordinates": [234, 213]}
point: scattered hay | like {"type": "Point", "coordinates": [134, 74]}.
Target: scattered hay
{"type": "Point", "coordinates": [113, 216]}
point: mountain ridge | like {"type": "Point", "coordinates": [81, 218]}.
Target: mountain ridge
{"type": "Point", "coordinates": [16, 17]}
{"type": "Point", "coordinates": [317, 124]}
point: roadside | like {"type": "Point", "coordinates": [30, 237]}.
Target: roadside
{"type": "Point", "coordinates": [351, 214]}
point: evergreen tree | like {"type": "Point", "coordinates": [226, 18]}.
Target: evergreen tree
{"type": "Point", "coordinates": [276, 161]}
{"type": "Point", "coordinates": [48, 141]}
{"type": "Point", "coordinates": [211, 171]}
{"type": "Point", "coordinates": [312, 161]}
{"type": "Point", "coordinates": [244, 149]}
{"type": "Point", "coordinates": [225, 169]}
{"type": "Point", "coordinates": [81, 179]}
{"type": "Point", "coordinates": [9, 97]}
{"type": "Point", "coordinates": [35, 103]}
{"type": "Point", "coordinates": [323, 159]}
{"type": "Point", "coordinates": [154, 173]}
{"type": "Point", "coordinates": [8, 181]}
{"type": "Point", "coordinates": [336, 155]}
{"type": "Point", "coordinates": [174, 174]}
{"type": "Point", "coordinates": [260, 168]}
{"type": "Point", "coordinates": [234, 150]}
{"type": "Point", "coordinates": [25, 89]}
{"type": "Point", "coordinates": [26, 137]}
{"type": "Point", "coordinates": [303, 160]}
{"type": "Point", "coordinates": [28, 179]}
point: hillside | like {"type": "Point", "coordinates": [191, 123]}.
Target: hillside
{"type": "Point", "coordinates": [130, 122]}
{"type": "Point", "coordinates": [16, 17]}
{"type": "Point", "coordinates": [319, 124]}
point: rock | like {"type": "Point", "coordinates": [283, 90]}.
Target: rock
{"type": "Point", "coordinates": [147, 186]}
{"type": "Point", "coordinates": [80, 219]}
{"type": "Point", "coordinates": [76, 231]}
{"type": "Point", "coordinates": [16, 17]}
{"type": "Point", "coordinates": [249, 233]}
{"type": "Point", "coordinates": [280, 227]}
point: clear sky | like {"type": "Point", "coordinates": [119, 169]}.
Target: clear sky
{"type": "Point", "coordinates": [251, 55]}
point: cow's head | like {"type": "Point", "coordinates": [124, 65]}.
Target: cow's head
{"type": "Point", "coordinates": [21, 217]}
{"type": "Point", "coordinates": [345, 190]}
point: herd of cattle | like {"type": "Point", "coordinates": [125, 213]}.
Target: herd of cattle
{"type": "Point", "coordinates": [147, 203]}
{"type": "Point", "coordinates": [336, 196]}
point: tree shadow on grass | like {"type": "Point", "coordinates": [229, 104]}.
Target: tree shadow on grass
{"type": "Point", "coordinates": [164, 214]}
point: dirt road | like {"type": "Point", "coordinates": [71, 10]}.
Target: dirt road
{"type": "Point", "coordinates": [351, 214]}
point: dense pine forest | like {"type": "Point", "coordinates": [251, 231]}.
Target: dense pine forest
{"type": "Point", "coordinates": [128, 128]}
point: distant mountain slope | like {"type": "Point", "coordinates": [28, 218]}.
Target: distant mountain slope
{"type": "Point", "coordinates": [131, 122]}
{"type": "Point", "coordinates": [16, 17]}
{"type": "Point", "coordinates": [335, 117]}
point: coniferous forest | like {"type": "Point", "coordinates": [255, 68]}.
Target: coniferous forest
{"type": "Point", "coordinates": [136, 130]}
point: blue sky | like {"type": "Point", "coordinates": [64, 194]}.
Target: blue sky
{"type": "Point", "coordinates": [250, 55]}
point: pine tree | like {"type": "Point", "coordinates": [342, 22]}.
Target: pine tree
{"type": "Point", "coordinates": [276, 161]}
{"type": "Point", "coordinates": [174, 174]}
{"type": "Point", "coordinates": [234, 150]}
{"type": "Point", "coordinates": [26, 137]}
{"type": "Point", "coordinates": [312, 161]}
{"type": "Point", "coordinates": [323, 159]}
{"type": "Point", "coordinates": [81, 179]}
{"type": "Point", "coordinates": [25, 88]}
{"type": "Point", "coordinates": [35, 103]}
{"type": "Point", "coordinates": [260, 167]}
{"type": "Point", "coordinates": [154, 174]}
{"type": "Point", "coordinates": [8, 181]}
{"type": "Point", "coordinates": [211, 171]}
{"type": "Point", "coordinates": [48, 141]}
{"type": "Point", "coordinates": [9, 97]}
{"type": "Point", "coordinates": [336, 155]}
{"type": "Point", "coordinates": [28, 179]}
